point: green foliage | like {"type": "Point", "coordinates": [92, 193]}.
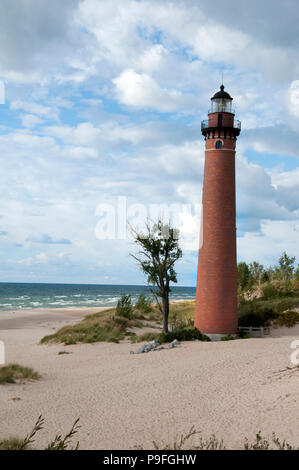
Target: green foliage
{"type": "Point", "coordinates": [256, 271]}
{"type": "Point", "coordinates": [286, 265]}
{"type": "Point", "coordinates": [289, 318]}
{"type": "Point", "coordinates": [251, 313]}
{"type": "Point", "coordinates": [124, 307]}
{"type": "Point", "coordinates": [243, 275]}
{"type": "Point", "coordinates": [265, 277]}
{"type": "Point", "coordinates": [228, 338]}
{"type": "Point", "coordinates": [14, 373]}
{"type": "Point", "coordinates": [184, 334]}
{"type": "Point", "coordinates": [262, 312]}
{"type": "Point", "coordinates": [243, 335]}
{"type": "Point", "coordinates": [144, 304]}
{"type": "Point", "coordinates": [159, 251]}
{"type": "Point", "coordinates": [280, 304]}
{"type": "Point", "coordinates": [102, 326]}
{"type": "Point", "coordinates": [13, 443]}
{"type": "Point", "coordinates": [59, 442]}
{"type": "Point", "coordinates": [145, 337]}
{"type": "Point", "coordinates": [270, 291]}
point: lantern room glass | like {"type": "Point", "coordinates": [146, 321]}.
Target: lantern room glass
{"type": "Point", "coordinates": [221, 105]}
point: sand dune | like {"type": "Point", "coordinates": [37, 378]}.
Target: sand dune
{"type": "Point", "coordinates": [232, 389]}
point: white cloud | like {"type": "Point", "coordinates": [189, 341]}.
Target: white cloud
{"type": "Point", "coordinates": [30, 120]}
{"type": "Point", "coordinates": [141, 91]}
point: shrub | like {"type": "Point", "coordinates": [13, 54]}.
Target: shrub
{"type": "Point", "coordinates": [184, 334]}
{"type": "Point", "coordinates": [243, 335]}
{"type": "Point", "coordinates": [144, 304]}
{"type": "Point", "coordinates": [228, 338]}
{"type": "Point", "coordinates": [124, 307]}
{"type": "Point", "coordinates": [253, 314]}
{"type": "Point", "coordinates": [288, 319]}
{"type": "Point", "coordinates": [14, 373]}
{"type": "Point", "coordinates": [275, 290]}
{"type": "Point", "coordinates": [263, 312]}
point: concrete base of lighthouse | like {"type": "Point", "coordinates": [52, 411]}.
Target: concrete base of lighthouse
{"type": "Point", "coordinates": [215, 337]}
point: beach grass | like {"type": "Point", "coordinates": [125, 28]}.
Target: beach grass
{"type": "Point", "coordinates": [14, 373]}
{"type": "Point", "coordinates": [107, 326]}
{"type": "Point", "coordinates": [193, 440]}
{"type": "Point", "coordinates": [60, 442]}
{"type": "Point", "coordinates": [13, 443]}
{"type": "Point", "coordinates": [101, 326]}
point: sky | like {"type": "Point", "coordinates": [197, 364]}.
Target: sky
{"type": "Point", "coordinates": [102, 109]}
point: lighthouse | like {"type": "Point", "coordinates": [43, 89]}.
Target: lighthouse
{"type": "Point", "coordinates": [216, 312]}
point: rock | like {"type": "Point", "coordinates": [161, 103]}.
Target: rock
{"type": "Point", "coordinates": [148, 347]}
{"type": "Point", "coordinates": [155, 346]}
{"type": "Point", "coordinates": [174, 344]}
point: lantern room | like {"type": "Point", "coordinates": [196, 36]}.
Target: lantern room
{"type": "Point", "coordinates": [221, 102]}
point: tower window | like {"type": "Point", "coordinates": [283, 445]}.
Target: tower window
{"type": "Point", "coordinates": [218, 144]}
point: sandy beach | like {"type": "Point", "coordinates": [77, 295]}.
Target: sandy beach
{"type": "Point", "coordinates": [232, 389]}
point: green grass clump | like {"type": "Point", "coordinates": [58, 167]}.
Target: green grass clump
{"type": "Point", "coordinates": [145, 337]}
{"type": "Point", "coordinates": [289, 319]}
{"type": "Point", "coordinates": [181, 314]}
{"type": "Point", "coordinates": [144, 304]}
{"type": "Point", "coordinates": [13, 443]}
{"type": "Point", "coordinates": [102, 326]}
{"type": "Point", "coordinates": [58, 443]}
{"type": "Point", "coordinates": [183, 334]}
{"type": "Point", "coordinates": [14, 373]}
{"type": "Point", "coordinates": [228, 338]}
{"type": "Point", "coordinates": [124, 307]}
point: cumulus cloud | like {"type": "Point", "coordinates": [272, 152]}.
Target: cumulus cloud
{"type": "Point", "coordinates": [141, 91]}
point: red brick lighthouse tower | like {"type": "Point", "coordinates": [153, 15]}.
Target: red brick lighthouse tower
{"type": "Point", "coordinates": [216, 293]}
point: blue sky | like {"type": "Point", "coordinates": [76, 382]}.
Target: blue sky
{"type": "Point", "coordinates": [105, 99]}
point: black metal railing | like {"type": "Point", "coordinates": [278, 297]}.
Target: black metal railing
{"type": "Point", "coordinates": [205, 125]}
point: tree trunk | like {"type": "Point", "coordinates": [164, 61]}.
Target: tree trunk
{"type": "Point", "coordinates": [165, 301]}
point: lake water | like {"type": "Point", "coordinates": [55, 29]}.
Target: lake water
{"type": "Point", "coordinates": [26, 296]}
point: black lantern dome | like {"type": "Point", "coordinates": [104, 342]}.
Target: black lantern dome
{"type": "Point", "coordinates": [221, 102]}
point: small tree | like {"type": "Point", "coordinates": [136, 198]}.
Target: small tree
{"type": "Point", "coordinates": [256, 270]}
{"type": "Point", "coordinates": [243, 275]}
{"type": "Point", "coordinates": [286, 266]}
{"type": "Point", "coordinates": [159, 252]}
